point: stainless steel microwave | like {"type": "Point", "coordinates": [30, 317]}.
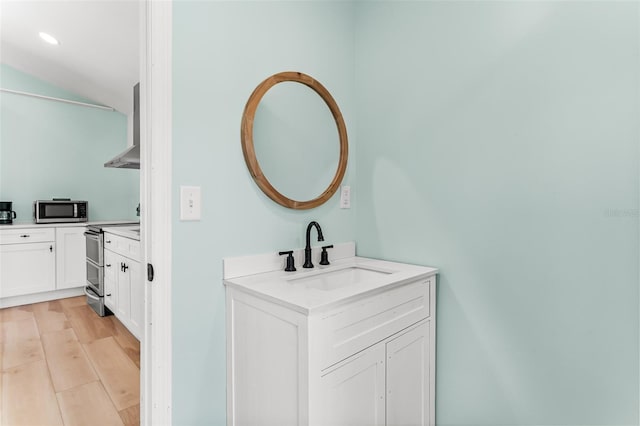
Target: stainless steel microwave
{"type": "Point", "coordinates": [60, 211]}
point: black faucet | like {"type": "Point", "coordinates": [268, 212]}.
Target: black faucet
{"type": "Point", "coordinates": [307, 249]}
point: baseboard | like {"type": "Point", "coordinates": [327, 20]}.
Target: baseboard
{"type": "Point", "coordinates": [27, 299]}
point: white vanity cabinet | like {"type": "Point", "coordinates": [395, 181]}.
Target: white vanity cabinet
{"type": "Point", "coordinates": [124, 285]}
{"type": "Point", "coordinates": [71, 265]}
{"type": "Point", "coordinates": [367, 358]}
{"type": "Point", "coordinates": [27, 261]}
{"type": "Point", "coordinates": [386, 384]}
{"type": "Point", "coordinates": [354, 392]}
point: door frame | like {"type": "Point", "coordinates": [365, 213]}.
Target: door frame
{"type": "Point", "coordinates": [156, 199]}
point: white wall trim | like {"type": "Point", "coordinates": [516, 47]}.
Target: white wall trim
{"type": "Point", "coordinates": [156, 184]}
{"type": "Point", "coordinates": [27, 299]}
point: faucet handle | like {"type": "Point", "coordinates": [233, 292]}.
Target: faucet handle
{"type": "Point", "coordinates": [291, 267]}
{"type": "Point", "coordinates": [324, 256]}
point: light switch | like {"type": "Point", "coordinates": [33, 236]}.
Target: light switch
{"type": "Point", "coordinates": [345, 197]}
{"type": "Point", "coordinates": [190, 203]}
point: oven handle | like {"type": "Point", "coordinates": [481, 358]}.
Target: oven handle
{"type": "Point", "coordinates": [89, 295]}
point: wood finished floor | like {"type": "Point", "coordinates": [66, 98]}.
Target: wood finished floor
{"type": "Point", "coordinates": [64, 365]}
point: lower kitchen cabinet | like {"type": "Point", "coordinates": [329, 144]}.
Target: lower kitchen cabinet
{"type": "Point", "coordinates": [71, 267]}
{"type": "Point", "coordinates": [27, 261]}
{"type": "Point", "coordinates": [124, 284]}
{"type": "Point", "coordinates": [136, 297]}
{"type": "Point", "coordinates": [27, 268]}
{"type": "Point", "coordinates": [110, 286]}
{"type": "Point", "coordinates": [123, 291]}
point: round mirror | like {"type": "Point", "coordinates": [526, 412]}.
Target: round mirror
{"type": "Point", "coordinates": [294, 140]}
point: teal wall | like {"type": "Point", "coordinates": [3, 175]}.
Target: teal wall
{"type": "Point", "coordinates": [221, 52]}
{"type": "Point", "coordinates": [51, 149]}
{"type": "Point", "coordinates": [495, 140]}
{"type": "Point", "coordinates": [499, 142]}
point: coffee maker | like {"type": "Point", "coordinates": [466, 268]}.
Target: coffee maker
{"type": "Point", "coordinates": [6, 213]}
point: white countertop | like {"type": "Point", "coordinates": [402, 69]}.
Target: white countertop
{"type": "Point", "coordinates": [22, 225]}
{"type": "Point", "coordinates": [289, 289]}
{"type": "Point", "coordinates": [132, 232]}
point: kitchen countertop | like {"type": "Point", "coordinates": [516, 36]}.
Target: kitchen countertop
{"type": "Point", "coordinates": [132, 232]}
{"type": "Point", "coordinates": [22, 225]}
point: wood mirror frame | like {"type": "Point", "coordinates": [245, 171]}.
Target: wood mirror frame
{"type": "Point", "coordinates": [248, 149]}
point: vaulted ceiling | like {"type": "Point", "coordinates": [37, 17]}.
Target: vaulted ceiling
{"type": "Point", "coordinates": [98, 54]}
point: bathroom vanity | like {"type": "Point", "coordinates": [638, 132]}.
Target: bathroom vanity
{"type": "Point", "coordinates": [351, 343]}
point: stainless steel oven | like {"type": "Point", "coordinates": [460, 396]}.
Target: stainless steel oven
{"type": "Point", "coordinates": [95, 270]}
{"type": "Point", "coordinates": [94, 240]}
{"type": "Point", "coordinates": [96, 302]}
{"type": "Point", "coordinates": [95, 277]}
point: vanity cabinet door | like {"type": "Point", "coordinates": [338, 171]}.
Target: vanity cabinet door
{"type": "Point", "coordinates": [408, 385]}
{"type": "Point", "coordinates": [354, 391]}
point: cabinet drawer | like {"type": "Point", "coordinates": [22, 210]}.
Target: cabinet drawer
{"type": "Point", "coordinates": [124, 246]}
{"type": "Point", "coordinates": [27, 235]}
{"type": "Point", "coordinates": [358, 325]}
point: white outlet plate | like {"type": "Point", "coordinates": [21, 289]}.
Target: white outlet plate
{"type": "Point", "coordinates": [345, 197]}
{"type": "Point", "coordinates": [190, 203]}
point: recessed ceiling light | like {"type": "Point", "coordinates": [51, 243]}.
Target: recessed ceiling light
{"type": "Point", "coordinates": [49, 38]}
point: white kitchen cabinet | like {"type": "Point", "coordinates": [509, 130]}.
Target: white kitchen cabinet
{"type": "Point", "coordinates": [71, 265]}
{"type": "Point", "coordinates": [27, 261]}
{"type": "Point", "coordinates": [110, 280]}
{"type": "Point", "coordinates": [124, 282]}
{"type": "Point", "coordinates": [27, 268]}
{"type": "Point", "coordinates": [123, 285]}
{"type": "Point", "coordinates": [136, 296]}
{"type": "Point", "coordinates": [367, 360]}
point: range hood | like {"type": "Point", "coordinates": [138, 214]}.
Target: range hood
{"type": "Point", "coordinates": [130, 159]}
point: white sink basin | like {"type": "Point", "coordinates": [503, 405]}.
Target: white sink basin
{"type": "Point", "coordinates": [335, 279]}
